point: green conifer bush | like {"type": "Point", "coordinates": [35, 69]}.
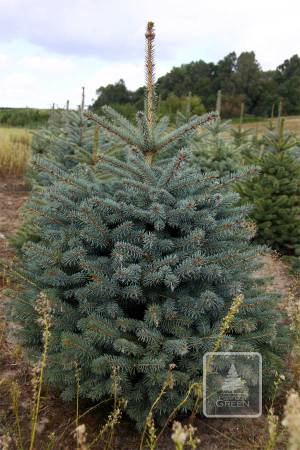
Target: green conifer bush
{"type": "Point", "coordinates": [141, 270]}
{"type": "Point", "coordinates": [244, 141]}
{"type": "Point", "coordinates": [275, 192]}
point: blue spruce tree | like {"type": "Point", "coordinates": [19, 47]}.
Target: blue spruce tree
{"type": "Point", "coordinates": [215, 150]}
{"type": "Point", "coordinates": [140, 271]}
{"type": "Point", "coordinates": [68, 139]}
{"type": "Point", "coordinates": [220, 147]}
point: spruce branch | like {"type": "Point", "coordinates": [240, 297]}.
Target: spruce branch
{"type": "Point", "coordinates": [150, 78]}
{"type": "Point", "coordinates": [193, 181]}
{"type": "Point", "coordinates": [110, 162]}
{"type": "Point", "coordinates": [174, 168]}
{"type": "Point", "coordinates": [143, 124]}
{"type": "Point", "coordinates": [95, 144]}
{"type": "Point", "coordinates": [96, 223]}
{"type": "Point", "coordinates": [51, 219]}
{"type": "Point", "coordinates": [82, 99]}
{"type": "Point", "coordinates": [143, 165]}
{"type": "Point", "coordinates": [120, 120]}
{"type": "Point", "coordinates": [186, 129]}
{"type": "Point", "coordinates": [53, 170]}
{"type": "Point", "coordinates": [110, 127]}
{"type": "Point", "coordinates": [234, 177]}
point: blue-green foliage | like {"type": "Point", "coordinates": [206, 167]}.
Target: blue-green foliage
{"type": "Point", "coordinates": [70, 139]}
{"type": "Point", "coordinates": [141, 271]}
{"type": "Point", "coordinates": [214, 150]}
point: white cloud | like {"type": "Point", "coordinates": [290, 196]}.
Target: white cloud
{"type": "Point", "coordinates": [64, 44]}
{"type": "Point", "coordinates": [4, 61]}
{"type": "Point", "coordinates": [113, 30]}
{"type": "Point", "coordinates": [18, 80]}
{"type": "Point", "coordinates": [133, 73]}
{"type": "Point", "coordinates": [49, 64]}
{"type": "Point", "coordinates": [17, 86]}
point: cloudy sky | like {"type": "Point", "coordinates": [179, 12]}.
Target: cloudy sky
{"type": "Point", "coordinates": [50, 48]}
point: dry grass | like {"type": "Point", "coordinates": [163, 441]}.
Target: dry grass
{"type": "Point", "coordinates": [14, 151]}
{"type": "Point", "coordinates": [292, 123]}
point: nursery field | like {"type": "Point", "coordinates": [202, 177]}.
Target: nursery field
{"type": "Point", "coordinates": [149, 227]}
{"type": "Point", "coordinates": [57, 420]}
{"type": "Point", "coordinates": [149, 280]}
{"type": "Point", "coordinates": [32, 414]}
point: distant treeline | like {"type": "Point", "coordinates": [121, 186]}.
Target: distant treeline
{"type": "Point", "coordinates": [24, 117]}
{"type": "Point", "coordinates": [192, 89]}
{"type": "Point", "coordinates": [240, 78]}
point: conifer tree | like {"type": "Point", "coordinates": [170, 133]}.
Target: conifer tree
{"type": "Point", "coordinates": [214, 150]}
{"type": "Point", "coordinates": [68, 139]}
{"type": "Point", "coordinates": [222, 147]}
{"type": "Point", "coordinates": [141, 270]}
{"type": "Point", "coordinates": [275, 192]}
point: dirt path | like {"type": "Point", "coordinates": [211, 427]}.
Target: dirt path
{"type": "Point", "coordinates": [276, 268]}
{"type": "Point", "coordinates": [13, 194]}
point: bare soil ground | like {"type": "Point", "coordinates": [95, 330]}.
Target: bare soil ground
{"type": "Point", "coordinates": [56, 416]}
{"type": "Point", "coordinates": [13, 193]}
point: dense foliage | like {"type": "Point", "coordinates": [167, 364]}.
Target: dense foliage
{"type": "Point", "coordinates": [215, 150]}
{"type": "Point", "coordinates": [275, 192]}
{"type": "Point", "coordinates": [67, 140]}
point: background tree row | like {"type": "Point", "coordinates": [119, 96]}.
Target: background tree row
{"type": "Point", "coordinates": [240, 78]}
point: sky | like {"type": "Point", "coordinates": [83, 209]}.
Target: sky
{"type": "Point", "coordinates": [49, 49]}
